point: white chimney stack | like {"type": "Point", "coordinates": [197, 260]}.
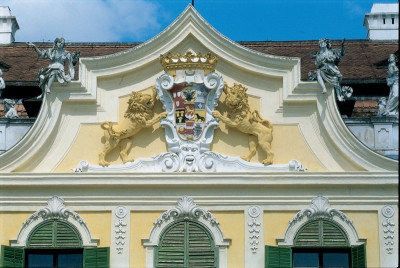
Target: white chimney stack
{"type": "Point", "coordinates": [8, 26]}
{"type": "Point", "coordinates": [383, 22]}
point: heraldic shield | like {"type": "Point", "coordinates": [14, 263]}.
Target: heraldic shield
{"type": "Point", "coordinates": [190, 109]}
{"type": "Point", "coordinates": [189, 90]}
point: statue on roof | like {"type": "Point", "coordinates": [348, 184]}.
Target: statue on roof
{"type": "Point", "coordinates": [2, 84]}
{"type": "Point", "coordinates": [327, 59]}
{"type": "Point", "coordinates": [392, 105]}
{"type": "Point", "coordinates": [58, 57]}
{"type": "Point", "coordinates": [9, 108]}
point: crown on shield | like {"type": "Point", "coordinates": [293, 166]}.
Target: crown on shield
{"type": "Point", "coordinates": [188, 61]}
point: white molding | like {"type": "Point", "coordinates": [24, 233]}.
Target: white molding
{"type": "Point", "coordinates": [320, 209]}
{"type": "Point", "coordinates": [254, 254]}
{"type": "Point", "coordinates": [186, 209]}
{"type": "Point", "coordinates": [120, 237]}
{"type": "Point", "coordinates": [55, 209]}
{"type": "Point", "coordinates": [388, 221]}
{"type": "Point", "coordinates": [50, 138]}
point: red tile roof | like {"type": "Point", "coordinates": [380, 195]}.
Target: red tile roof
{"type": "Point", "coordinates": [358, 63]}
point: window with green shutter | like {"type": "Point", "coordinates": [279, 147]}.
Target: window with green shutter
{"type": "Point", "coordinates": [321, 233]}
{"type": "Point", "coordinates": [11, 257]}
{"type": "Point", "coordinates": [186, 244]}
{"type": "Point", "coordinates": [54, 234]}
{"type": "Point", "coordinates": [278, 257]}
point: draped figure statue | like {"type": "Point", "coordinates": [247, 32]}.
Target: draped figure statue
{"type": "Point", "coordinates": [58, 58]}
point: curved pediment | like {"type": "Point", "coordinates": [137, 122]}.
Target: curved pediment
{"type": "Point", "coordinates": [306, 124]}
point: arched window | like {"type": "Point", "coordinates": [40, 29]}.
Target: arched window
{"type": "Point", "coordinates": [321, 233]}
{"type": "Point", "coordinates": [54, 236]}
{"type": "Point", "coordinates": [319, 236]}
{"type": "Point", "coordinates": [186, 244]}
{"type": "Point", "coordinates": [186, 236]}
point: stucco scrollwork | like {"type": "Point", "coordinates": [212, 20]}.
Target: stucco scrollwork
{"type": "Point", "coordinates": [55, 209]}
{"type": "Point", "coordinates": [388, 212]}
{"type": "Point", "coordinates": [186, 209]}
{"type": "Point", "coordinates": [254, 228]}
{"type": "Point", "coordinates": [320, 209]}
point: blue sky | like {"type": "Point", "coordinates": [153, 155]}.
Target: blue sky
{"type": "Point", "coordinates": [140, 20]}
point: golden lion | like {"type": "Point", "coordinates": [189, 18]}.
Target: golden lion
{"type": "Point", "coordinates": [138, 115]}
{"type": "Point", "coordinates": [239, 116]}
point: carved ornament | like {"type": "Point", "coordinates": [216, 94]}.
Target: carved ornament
{"type": "Point", "coordinates": [240, 116]}
{"type": "Point", "coordinates": [188, 61]}
{"type": "Point", "coordinates": [186, 209]}
{"type": "Point", "coordinates": [320, 208]}
{"type": "Point", "coordinates": [55, 209]}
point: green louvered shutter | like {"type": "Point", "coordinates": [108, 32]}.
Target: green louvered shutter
{"type": "Point", "coordinates": [332, 235]}
{"type": "Point", "coordinates": [96, 257]}
{"type": "Point", "coordinates": [358, 256]}
{"type": "Point", "coordinates": [66, 236]}
{"type": "Point", "coordinates": [42, 236]}
{"type": "Point", "coordinates": [202, 252]}
{"type": "Point", "coordinates": [276, 257]}
{"type": "Point", "coordinates": [54, 234]}
{"type": "Point", "coordinates": [171, 251]}
{"type": "Point", "coordinates": [186, 244]}
{"type": "Point", "coordinates": [309, 235]}
{"type": "Point", "coordinates": [321, 233]}
{"type": "Point", "coordinates": [12, 257]}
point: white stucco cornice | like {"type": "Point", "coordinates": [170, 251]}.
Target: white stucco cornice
{"type": "Point", "coordinates": [66, 109]}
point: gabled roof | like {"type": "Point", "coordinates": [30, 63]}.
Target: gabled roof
{"type": "Point", "coordinates": [361, 62]}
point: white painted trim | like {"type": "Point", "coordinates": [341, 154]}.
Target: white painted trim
{"type": "Point", "coordinates": [55, 209]}
{"type": "Point", "coordinates": [186, 209]}
{"type": "Point", "coordinates": [320, 209]}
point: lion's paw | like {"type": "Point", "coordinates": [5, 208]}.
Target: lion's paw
{"type": "Point", "coordinates": [267, 162]}
{"type": "Point", "coordinates": [104, 163]}
{"type": "Point", "coordinates": [216, 114]}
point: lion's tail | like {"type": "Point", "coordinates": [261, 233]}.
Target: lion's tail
{"type": "Point", "coordinates": [256, 117]}
{"type": "Point", "coordinates": [107, 125]}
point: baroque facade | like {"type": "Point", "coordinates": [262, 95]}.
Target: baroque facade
{"type": "Point", "coordinates": [214, 154]}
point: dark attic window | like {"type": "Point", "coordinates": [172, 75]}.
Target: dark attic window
{"type": "Point", "coordinates": [384, 21]}
{"type": "Point", "coordinates": [392, 20]}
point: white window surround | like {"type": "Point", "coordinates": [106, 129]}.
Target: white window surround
{"type": "Point", "coordinates": [55, 209]}
{"type": "Point", "coordinates": [320, 209]}
{"type": "Point", "coordinates": [186, 209]}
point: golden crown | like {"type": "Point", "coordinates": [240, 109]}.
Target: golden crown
{"type": "Point", "coordinates": [189, 61]}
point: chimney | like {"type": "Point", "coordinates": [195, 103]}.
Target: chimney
{"type": "Point", "coordinates": [383, 22]}
{"type": "Point", "coordinates": [8, 26]}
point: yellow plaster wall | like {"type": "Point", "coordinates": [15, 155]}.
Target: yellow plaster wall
{"type": "Point", "coordinates": [142, 223]}
{"type": "Point", "coordinates": [275, 224]}
{"type": "Point", "coordinates": [232, 226]}
{"type": "Point", "coordinates": [366, 224]}
{"type": "Point", "coordinates": [288, 142]}
{"type": "Point", "coordinates": [10, 224]}
{"type": "Point", "coordinates": [89, 142]}
{"type": "Point", "coordinates": [99, 224]}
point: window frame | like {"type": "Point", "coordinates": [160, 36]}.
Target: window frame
{"type": "Point", "coordinates": [52, 251]}
{"type": "Point", "coordinates": [320, 251]}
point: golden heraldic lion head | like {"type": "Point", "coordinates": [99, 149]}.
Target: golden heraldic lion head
{"type": "Point", "coordinates": [138, 115]}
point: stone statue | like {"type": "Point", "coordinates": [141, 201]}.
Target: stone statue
{"type": "Point", "coordinates": [326, 60]}
{"type": "Point", "coordinates": [239, 116]}
{"type": "Point", "coordinates": [2, 84]}
{"type": "Point", "coordinates": [392, 105]}
{"type": "Point", "coordinates": [138, 115]}
{"type": "Point", "coordinates": [9, 108]}
{"type": "Point", "coordinates": [58, 57]}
